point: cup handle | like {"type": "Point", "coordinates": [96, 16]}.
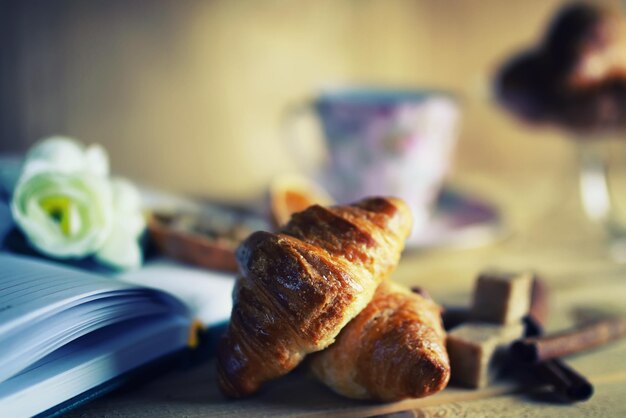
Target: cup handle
{"type": "Point", "coordinates": [292, 115]}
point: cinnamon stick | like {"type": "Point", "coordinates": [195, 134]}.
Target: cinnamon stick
{"type": "Point", "coordinates": [538, 311]}
{"type": "Point", "coordinates": [564, 380]}
{"type": "Point", "coordinates": [540, 348]}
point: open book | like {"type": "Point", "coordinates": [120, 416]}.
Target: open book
{"type": "Point", "coordinates": [64, 332]}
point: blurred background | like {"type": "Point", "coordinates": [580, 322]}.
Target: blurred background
{"type": "Point", "coordinates": [188, 95]}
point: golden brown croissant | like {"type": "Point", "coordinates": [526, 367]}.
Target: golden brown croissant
{"type": "Point", "coordinates": [299, 288]}
{"type": "Point", "coordinates": [394, 349]}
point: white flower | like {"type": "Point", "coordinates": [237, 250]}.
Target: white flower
{"type": "Point", "coordinates": [68, 207]}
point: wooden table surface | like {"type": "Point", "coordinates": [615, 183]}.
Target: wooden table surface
{"type": "Point", "coordinates": [547, 231]}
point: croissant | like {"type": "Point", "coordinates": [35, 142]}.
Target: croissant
{"type": "Point", "coordinates": [394, 349]}
{"type": "Point", "coordinates": [300, 287]}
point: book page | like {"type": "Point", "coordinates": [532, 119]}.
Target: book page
{"type": "Point", "coordinates": [29, 287]}
{"type": "Point", "coordinates": [44, 307]}
{"type": "Point", "coordinates": [207, 293]}
{"type": "Point", "coordinates": [91, 361]}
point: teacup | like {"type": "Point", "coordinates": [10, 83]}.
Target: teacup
{"type": "Point", "coordinates": [386, 142]}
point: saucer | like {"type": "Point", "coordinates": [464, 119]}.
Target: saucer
{"type": "Point", "coordinates": [459, 220]}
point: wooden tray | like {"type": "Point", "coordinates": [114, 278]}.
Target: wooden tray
{"type": "Point", "coordinates": [192, 248]}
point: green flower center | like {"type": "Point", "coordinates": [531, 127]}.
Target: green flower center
{"type": "Point", "coordinates": [59, 209]}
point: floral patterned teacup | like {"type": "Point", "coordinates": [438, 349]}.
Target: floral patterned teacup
{"type": "Point", "coordinates": [387, 142]}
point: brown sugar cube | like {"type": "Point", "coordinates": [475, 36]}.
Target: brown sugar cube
{"type": "Point", "coordinates": [501, 298]}
{"type": "Point", "coordinates": [478, 350]}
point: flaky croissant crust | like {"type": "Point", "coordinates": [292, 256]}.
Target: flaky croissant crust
{"type": "Point", "coordinates": [300, 287]}
{"type": "Point", "coordinates": [394, 349]}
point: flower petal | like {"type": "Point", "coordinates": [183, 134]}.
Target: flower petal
{"type": "Point", "coordinates": [126, 197]}
{"type": "Point", "coordinates": [121, 250]}
{"type": "Point", "coordinates": [56, 153]}
{"type": "Point", "coordinates": [97, 160]}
